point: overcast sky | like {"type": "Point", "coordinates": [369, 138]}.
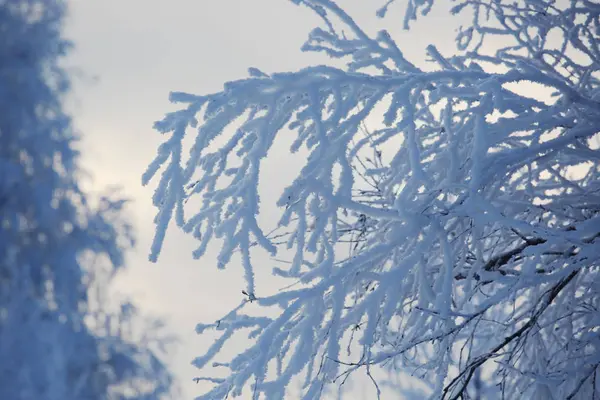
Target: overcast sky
{"type": "Point", "coordinates": [129, 54]}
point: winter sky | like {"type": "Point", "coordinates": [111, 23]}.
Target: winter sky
{"type": "Point", "coordinates": [129, 54]}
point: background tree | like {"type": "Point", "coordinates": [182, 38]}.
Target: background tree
{"type": "Point", "coordinates": [471, 206]}
{"type": "Point", "coordinates": [53, 313]}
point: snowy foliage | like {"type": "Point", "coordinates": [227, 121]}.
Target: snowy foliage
{"type": "Point", "coordinates": [48, 348]}
{"type": "Point", "coordinates": [445, 224]}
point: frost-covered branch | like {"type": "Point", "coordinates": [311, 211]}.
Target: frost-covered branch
{"type": "Point", "coordinates": [471, 207]}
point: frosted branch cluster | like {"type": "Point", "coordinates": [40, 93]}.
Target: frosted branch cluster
{"type": "Point", "coordinates": [459, 231]}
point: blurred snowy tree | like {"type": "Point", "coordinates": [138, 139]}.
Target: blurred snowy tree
{"type": "Point", "coordinates": [472, 210]}
{"type": "Point", "coordinates": [54, 343]}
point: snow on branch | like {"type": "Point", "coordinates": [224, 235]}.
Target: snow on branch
{"type": "Point", "coordinates": [460, 232]}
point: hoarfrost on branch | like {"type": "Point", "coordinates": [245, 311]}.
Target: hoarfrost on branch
{"type": "Point", "coordinates": [473, 245]}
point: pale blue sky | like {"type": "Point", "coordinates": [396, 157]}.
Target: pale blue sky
{"type": "Point", "coordinates": [130, 54]}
